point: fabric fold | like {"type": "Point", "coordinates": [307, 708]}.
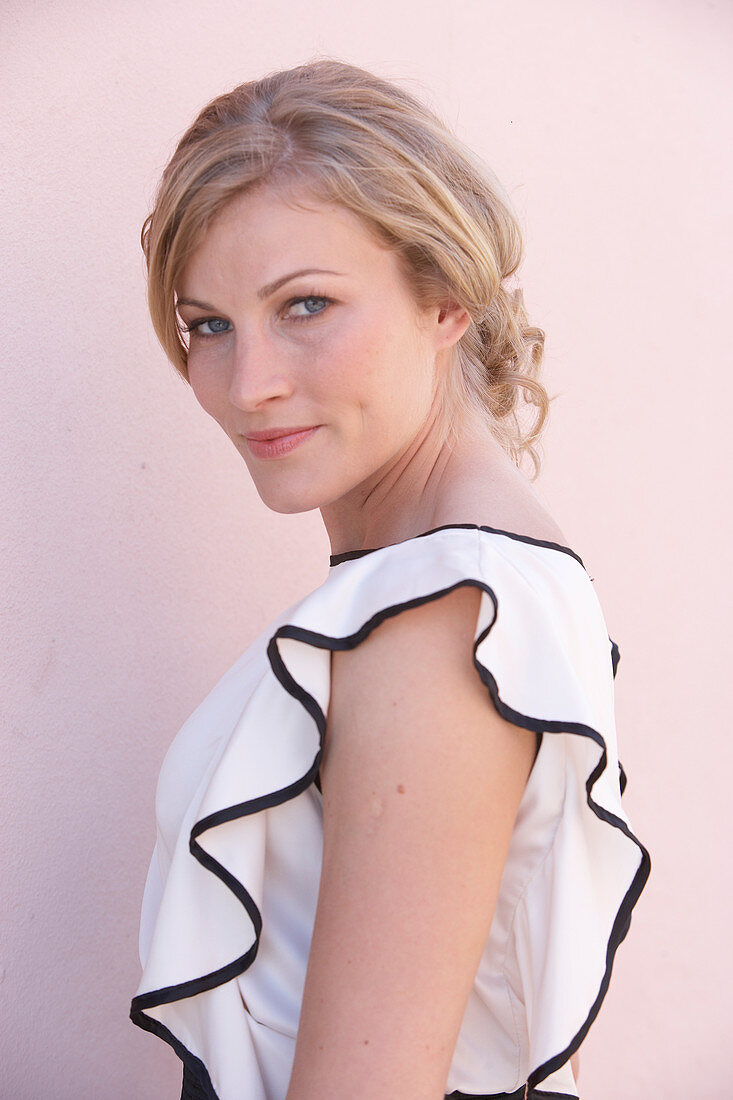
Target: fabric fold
{"type": "Point", "coordinates": [241, 888]}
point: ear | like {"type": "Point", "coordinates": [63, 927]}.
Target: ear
{"type": "Point", "coordinates": [451, 321]}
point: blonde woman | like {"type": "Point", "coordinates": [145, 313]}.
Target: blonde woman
{"type": "Point", "coordinates": [392, 859]}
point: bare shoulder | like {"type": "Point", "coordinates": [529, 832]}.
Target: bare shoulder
{"type": "Point", "coordinates": [517, 510]}
{"type": "Point", "coordinates": [418, 656]}
{"type": "Point", "coordinates": [438, 631]}
{"type": "Point", "coordinates": [487, 488]}
{"type": "Point", "coordinates": [408, 701]}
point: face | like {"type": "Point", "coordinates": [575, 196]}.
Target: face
{"type": "Point", "coordinates": [303, 328]}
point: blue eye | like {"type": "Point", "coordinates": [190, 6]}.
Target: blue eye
{"type": "Point", "coordinates": [214, 325]}
{"type": "Point", "coordinates": [307, 301]}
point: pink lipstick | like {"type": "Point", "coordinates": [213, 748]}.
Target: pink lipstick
{"type": "Point", "coordinates": [276, 442]}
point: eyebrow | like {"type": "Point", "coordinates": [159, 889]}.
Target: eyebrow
{"type": "Point", "coordinates": [269, 288]}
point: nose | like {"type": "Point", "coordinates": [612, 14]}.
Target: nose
{"type": "Point", "coordinates": [258, 374]}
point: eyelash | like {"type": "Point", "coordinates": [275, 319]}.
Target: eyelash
{"type": "Point", "coordinates": [192, 329]}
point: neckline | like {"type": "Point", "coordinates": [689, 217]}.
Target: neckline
{"type": "Point", "coordinates": [348, 555]}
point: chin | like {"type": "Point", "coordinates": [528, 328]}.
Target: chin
{"type": "Point", "coordinates": [289, 501]}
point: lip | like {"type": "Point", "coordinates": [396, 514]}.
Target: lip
{"type": "Point", "coordinates": [276, 442]}
{"type": "Point", "coordinates": [276, 433]}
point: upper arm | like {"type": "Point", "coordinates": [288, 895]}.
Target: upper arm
{"type": "Point", "coordinates": [421, 783]}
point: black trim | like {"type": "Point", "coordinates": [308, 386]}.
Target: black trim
{"type": "Point", "coordinates": [615, 656]}
{"type": "Point", "coordinates": [233, 969]}
{"type": "Point", "coordinates": [310, 704]}
{"type": "Point", "coordinates": [539, 1094]}
{"type": "Point", "coordinates": [347, 555]}
{"type": "Point", "coordinates": [520, 1094]}
{"type": "Point", "coordinates": [155, 1027]}
{"type": "Point", "coordinates": [196, 1083]}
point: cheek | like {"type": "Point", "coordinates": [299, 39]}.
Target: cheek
{"type": "Point", "coordinates": [366, 354]}
{"type": "Point", "coordinates": [206, 384]}
{"type": "Point", "coordinates": [340, 368]}
{"type": "Point", "coordinates": [396, 374]}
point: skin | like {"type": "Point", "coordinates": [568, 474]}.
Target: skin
{"type": "Point", "coordinates": [398, 936]}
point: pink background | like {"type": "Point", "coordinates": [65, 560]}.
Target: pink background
{"type": "Point", "coordinates": [138, 562]}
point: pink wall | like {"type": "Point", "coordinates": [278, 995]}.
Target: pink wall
{"type": "Point", "coordinates": [138, 562]}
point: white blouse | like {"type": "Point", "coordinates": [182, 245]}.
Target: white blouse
{"type": "Point", "coordinates": [230, 898]}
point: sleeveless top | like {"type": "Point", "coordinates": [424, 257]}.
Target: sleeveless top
{"type": "Point", "coordinates": [230, 898]}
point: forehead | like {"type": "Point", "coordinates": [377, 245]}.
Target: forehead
{"type": "Point", "coordinates": [265, 233]}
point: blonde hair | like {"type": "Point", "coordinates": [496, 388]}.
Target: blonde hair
{"type": "Point", "coordinates": [356, 139]}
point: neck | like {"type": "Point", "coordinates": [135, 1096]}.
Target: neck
{"type": "Point", "coordinates": [402, 498]}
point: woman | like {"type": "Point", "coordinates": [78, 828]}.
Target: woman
{"type": "Point", "coordinates": [392, 859]}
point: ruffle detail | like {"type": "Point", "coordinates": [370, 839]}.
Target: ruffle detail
{"type": "Point", "coordinates": [574, 871]}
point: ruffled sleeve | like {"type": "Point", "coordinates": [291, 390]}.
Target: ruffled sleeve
{"type": "Point", "coordinates": [223, 977]}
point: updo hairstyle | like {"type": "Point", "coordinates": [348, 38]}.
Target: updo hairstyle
{"type": "Point", "coordinates": [352, 138]}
